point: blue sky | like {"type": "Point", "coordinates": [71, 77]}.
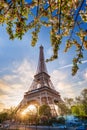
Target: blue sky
{"type": "Point", "coordinates": [18, 64]}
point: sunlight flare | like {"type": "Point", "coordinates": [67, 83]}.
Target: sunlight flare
{"type": "Point", "coordinates": [30, 109]}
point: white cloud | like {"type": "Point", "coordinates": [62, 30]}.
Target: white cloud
{"type": "Point", "coordinates": [57, 75]}
{"type": "Point", "coordinates": [24, 72]}
{"type": "Point", "coordinates": [66, 87]}
{"type": "Point", "coordinates": [70, 65]}
{"type": "Point", "coordinates": [66, 66]}
{"type": "Point", "coordinates": [9, 77]}
{"type": "Point", "coordinates": [15, 84]}
{"type": "Point", "coordinates": [60, 84]}
{"type": "Point", "coordinates": [9, 94]}
{"type": "Point", "coordinates": [85, 75]}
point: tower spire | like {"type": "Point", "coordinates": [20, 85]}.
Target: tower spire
{"type": "Point", "coordinates": [41, 63]}
{"type": "Point", "coordinates": [42, 77]}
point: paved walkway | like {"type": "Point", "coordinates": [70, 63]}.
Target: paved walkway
{"type": "Point", "coordinates": [27, 127]}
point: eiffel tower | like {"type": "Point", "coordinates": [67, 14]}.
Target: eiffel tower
{"type": "Point", "coordinates": [41, 90]}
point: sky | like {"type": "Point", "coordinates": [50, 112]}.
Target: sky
{"type": "Point", "coordinates": [18, 65]}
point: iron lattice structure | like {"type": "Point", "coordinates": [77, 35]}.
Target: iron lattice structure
{"type": "Point", "coordinates": [41, 90]}
{"type": "Point", "coordinates": [41, 78]}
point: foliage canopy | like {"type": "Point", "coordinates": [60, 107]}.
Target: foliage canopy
{"type": "Point", "coordinates": [80, 106]}
{"type": "Point", "coordinates": [64, 18]}
{"type": "Point", "coordinates": [77, 106]}
{"type": "Point", "coordinates": [45, 110]}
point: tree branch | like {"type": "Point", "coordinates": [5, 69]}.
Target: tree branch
{"type": "Point", "coordinates": [76, 19]}
{"type": "Point", "coordinates": [37, 9]}
{"type": "Point", "coordinates": [60, 2]}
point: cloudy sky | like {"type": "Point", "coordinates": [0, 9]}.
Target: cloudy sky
{"type": "Point", "coordinates": [18, 64]}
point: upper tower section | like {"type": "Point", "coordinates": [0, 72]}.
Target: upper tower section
{"type": "Point", "coordinates": [41, 63]}
{"type": "Point", "coordinates": [41, 79]}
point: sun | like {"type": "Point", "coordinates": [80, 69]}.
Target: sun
{"type": "Point", "coordinates": [30, 109]}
